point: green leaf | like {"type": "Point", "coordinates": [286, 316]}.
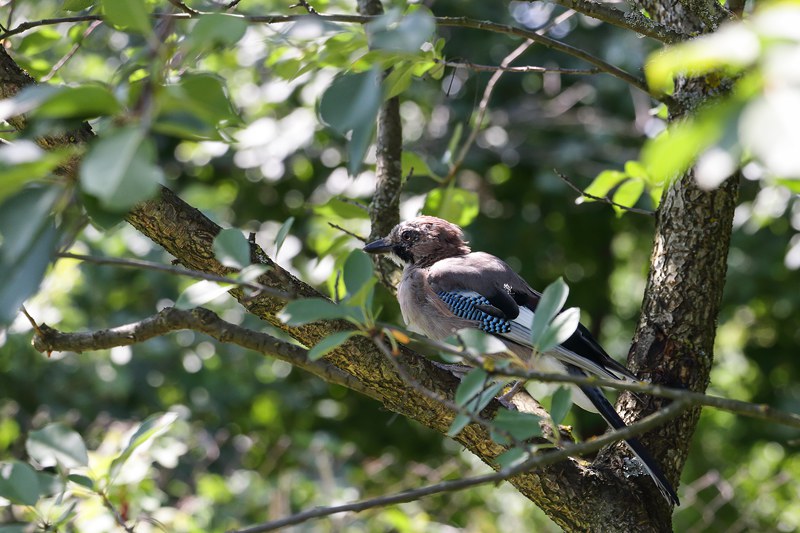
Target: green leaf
{"type": "Point", "coordinates": [299, 312]}
{"type": "Point", "coordinates": [560, 405]}
{"type": "Point", "coordinates": [83, 481]}
{"type": "Point", "coordinates": [351, 103]}
{"type": "Point", "coordinates": [519, 425]}
{"type": "Point", "coordinates": [127, 14]}
{"type": "Point", "coordinates": [636, 170]}
{"type": "Point", "coordinates": [335, 207]}
{"type": "Point", "coordinates": [231, 248]}
{"type": "Point", "coordinates": [329, 343]}
{"type": "Point", "coordinates": [200, 293]}
{"type": "Point", "coordinates": [731, 48]}
{"type": "Point", "coordinates": [151, 428]}
{"type": "Point", "coordinates": [459, 422]}
{"type": "Point", "coordinates": [478, 342]}
{"type": "Point", "coordinates": [457, 205]}
{"type": "Point", "coordinates": [282, 233]}
{"type": "Point", "coordinates": [604, 182]}
{"type": "Point", "coordinates": [452, 146]}
{"type": "Point", "coordinates": [76, 5]}
{"type": "Point", "coordinates": [358, 270]}
{"type": "Point", "coordinates": [398, 80]}
{"type": "Point", "coordinates": [551, 302]}
{"type": "Point", "coordinates": [29, 240]}
{"type": "Point", "coordinates": [413, 161]}
{"type": "Point", "coordinates": [560, 329]}
{"type": "Point", "coordinates": [19, 483]}
{"type": "Point", "coordinates": [100, 217]}
{"type": "Point", "coordinates": [628, 193]}
{"type": "Point", "coordinates": [471, 385]}
{"type": "Point", "coordinates": [39, 41]}
{"type": "Point", "coordinates": [24, 161]}
{"type": "Point", "coordinates": [214, 29]}
{"type": "Point", "coordinates": [57, 444]}
{"type": "Point", "coordinates": [120, 170]}
{"type": "Point", "coordinates": [83, 102]}
{"type": "Point", "coordinates": [511, 458]}
{"type": "Point", "coordinates": [406, 34]}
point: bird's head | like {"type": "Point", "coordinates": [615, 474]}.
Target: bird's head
{"type": "Point", "coordinates": [421, 241]}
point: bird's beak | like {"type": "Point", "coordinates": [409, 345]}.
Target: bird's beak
{"type": "Point", "coordinates": [381, 246]}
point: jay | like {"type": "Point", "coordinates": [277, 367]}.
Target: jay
{"type": "Point", "coordinates": [446, 287]}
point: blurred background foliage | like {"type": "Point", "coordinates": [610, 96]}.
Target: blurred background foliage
{"type": "Point", "coordinates": [256, 439]}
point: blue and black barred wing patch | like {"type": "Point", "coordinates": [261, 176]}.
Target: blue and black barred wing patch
{"type": "Point", "coordinates": [470, 305]}
{"type": "Point", "coordinates": [473, 306]}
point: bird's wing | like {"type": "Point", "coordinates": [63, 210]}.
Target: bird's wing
{"type": "Point", "coordinates": [483, 288]}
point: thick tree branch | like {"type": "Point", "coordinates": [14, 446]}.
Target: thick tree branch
{"type": "Point", "coordinates": [631, 20]}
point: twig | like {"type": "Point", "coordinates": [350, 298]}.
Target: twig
{"type": "Point", "coordinates": [61, 62]}
{"type": "Point", "coordinates": [150, 265]}
{"type": "Point", "coordinates": [48, 339]}
{"type": "Point", "coordinates": [477, 124]}
{"type": "Point", "coordinates": [460, 22]}
{"type": "Point", "coordinates": [183, 7]}
{"type": "Point", "coordinates": [232, 4]}
{"type": "Point", "coordinates": [604, 200]}
{"type": "Point", "coordinates": [308, 7]}
{"type": "Point", "coordinates": [752, 410]}
{"type": "Point", "coordinates": [537, 461]}
{"type": "Point", "coordinates": [347, 231]}
{"type": "Point", "coordinates": [523, 69]}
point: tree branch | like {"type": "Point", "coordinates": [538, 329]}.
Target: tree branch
{"type": "Point", "coordinates": [537, 461]}
{"type": "Point", "coordinates": [461, 22]}
{"type": "Point", "coordinates": [631, 20]}
{"type": "Point", "coordinates": [521, 69]}
{"type": "Point", "coordinates": [605, 200]}
{"type": "Point", "coordinates": [47, 339]}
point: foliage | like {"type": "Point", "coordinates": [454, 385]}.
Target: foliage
{"type": "Point", "coordinates": [257, 125]}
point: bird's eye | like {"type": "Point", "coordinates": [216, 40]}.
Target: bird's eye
{"type": "Point", "coordinates": [406, 235]}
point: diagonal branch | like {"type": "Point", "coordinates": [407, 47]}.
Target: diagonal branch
{"type": "Point", "coordinates": [47, 339]}
{"type": "Point", "coordinates": [536, 461]}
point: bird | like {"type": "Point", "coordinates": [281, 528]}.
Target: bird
{"type": "Point", "coordinates": [445, 287]}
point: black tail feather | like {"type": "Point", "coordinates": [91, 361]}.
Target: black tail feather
{"type": "Point", "coordinates": [613, 419]}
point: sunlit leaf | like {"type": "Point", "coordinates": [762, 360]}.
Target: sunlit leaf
{"type": "Point", "coordinates": [551, 302]}
{"type": "Point", "coordinates": [76, 5]}
{"type": "Point", "coordinates": [82, 102]}
{"type": "Point", "coordinates": [127, 14]}
{"type": "Point", "coordinates": [339, 208]}
{"type": "Point", "coordinates": [18, 483]}
{"type": "Point", "coordinates": [604, 182]}
{"type": "Point", "coordinates": [201, 293]}
{"type": "Point", "coordinates": [299, 312]}
{"type": "Point", "coordinates": [282, 233]}
{"type": "Point", "coordinates": [560, 329]}
{"type": "Point", "coordinates": [151, 428]}
{"type": "Point", "coordinates": [24, 161]}
{"type": "Point", "coordinates": [329, 343]}
{"type": "Point", "coordinates": [454, 204]}
{"type": "Point", "coordinates": [629, 192]}
{"type": "Point", "coordinates": [733, 47]}
{"type": "Point", "coordinates": [57, 444]}
{"type": "Point", "coordinates": [231, 248]}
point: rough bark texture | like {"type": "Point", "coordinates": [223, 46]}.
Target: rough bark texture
{"type": "Point", "coordinates": [384, 209]}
